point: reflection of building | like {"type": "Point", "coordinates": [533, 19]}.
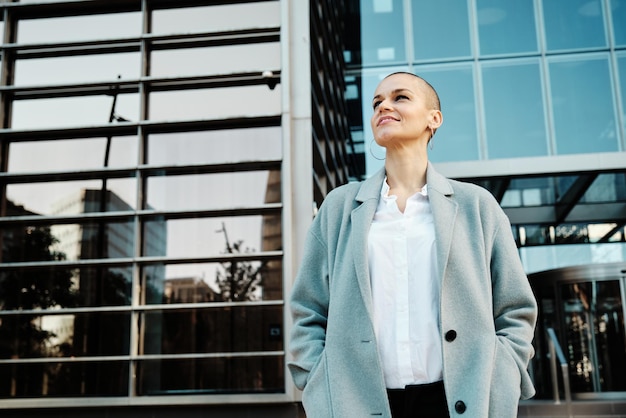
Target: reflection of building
{"type": "Point", "coordinates": [187, 290]}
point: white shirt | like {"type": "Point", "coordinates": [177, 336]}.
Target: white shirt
{"type": "Point", "coordinates": [405, 289]}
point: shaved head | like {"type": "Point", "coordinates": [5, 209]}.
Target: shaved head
{"type": "Point", "coordinates": [432, 98]}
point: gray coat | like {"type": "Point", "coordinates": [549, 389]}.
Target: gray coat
{"type": "Point", "coordinates": [487, 311]}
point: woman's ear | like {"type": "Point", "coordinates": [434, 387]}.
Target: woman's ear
{"type": "Point", "coordinates": [436, 119]}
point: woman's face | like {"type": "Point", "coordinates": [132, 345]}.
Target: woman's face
{"type": "Point", "coordinates": [401, 111]}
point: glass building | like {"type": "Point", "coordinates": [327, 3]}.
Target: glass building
{"type": "Point", "coordinates": [161, 161]}
{"type": "Point", "coordinates": [533, 96]}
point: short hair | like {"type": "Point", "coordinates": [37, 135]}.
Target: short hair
{"type": "Point", "coordinates": [430, 91]}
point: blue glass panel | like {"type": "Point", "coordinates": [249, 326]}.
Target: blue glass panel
{"type": "Point", "coordinates": [618, 11]}
{"type": "Point", "coordinates": [441, 29]}
{"type": "Point", "coordinates": [579, 24]}
{"type": "Point", "coordinates": [457, 139]}
{"type": "Point", "coordinates": [584, 118]}
{"type": "Point", "coordinates": [514, 111]}
{"type": "Point", "coordinates": [382, 32]}
{"type": "Point", "coordinates": [621, 68]}
{"type": "Point", "coordinates": [506, 26]}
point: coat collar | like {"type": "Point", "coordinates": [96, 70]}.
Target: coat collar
{"type": "Point", "coordinates": [444, 208]}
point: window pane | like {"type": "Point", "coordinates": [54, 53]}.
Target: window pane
{"type": "Point", "coordinates": [514, 111]}
{"type": "Point", "coordinates": [216, 18]}
{"type": "Point", "coordinates": [64, 287]}
{"type": "Point", "coordinates": [219, 191]}
{"type": "Point", "coordinates": [377, 48]}
{"type": "Point", "coordinates": [506, 27]}
{"type": "Point", "coordinates": [216, 103]}
{"type": "Point", "coordinates": [71, 154]}
{"type": "Point", "coordinates": [78, 28]}
{"type": "Point", "coordinates": [77, 69]}
{"type": "Point", "coordinates": [215, 60]}
{"type": "Point", "coordinates": [209, 147]}
{"type": "Point", "coordinates": [618, 10]}
{"type": "Point", "coordinates": [442, 19]}
{"type": "Point", "coordinates": [72, 111]}
{"type": "Point", "coordinates": [204, 237]}
{"type": "Point", "coordinates": [457, 139]}
{"type": "Point", "coordinates": [621, 69]}
{"type": "Point", "coordinates": [68, 335]}
{"type": "Point", "coordinates": [606, 188]}
{"type": "Point", "coordinates": [212, 375]}
{"type": "Point", "coordinates": [209, 282]}
{"type": "Point", "coordinates": [213, 330]}
{"type": "Point", "coordinates": [584, 118]}
{"type": "Point", "coordinates": [578, 25]}
{"type": "Point", "coordinates": [24, 243]}
{"type": "Point", "coordinates": [72, 197]}
{"type": "Point", "coordinates": [538, 191]}
{"type": "Point", "coordinates": [64, 379]}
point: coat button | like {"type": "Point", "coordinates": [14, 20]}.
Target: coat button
{"type": "Point", "coordinates": [450, 335]}
{"type": "Point", "coordinates": [460, 407]}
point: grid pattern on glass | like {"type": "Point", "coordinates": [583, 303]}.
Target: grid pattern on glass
{"type": "Point", "coordinates": [117, 144]}
{"type": "Point", "coordinates": [481, 33]}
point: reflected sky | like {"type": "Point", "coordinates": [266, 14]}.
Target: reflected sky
{"type": "Point", "coordinates": [178, 193]}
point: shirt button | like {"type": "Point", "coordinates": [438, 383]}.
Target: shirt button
{"type": "Point", "coordinates": [450, 335]}
{"type": "Point", "coordinates": [460, 407]}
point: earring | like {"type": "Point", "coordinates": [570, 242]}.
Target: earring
{"type": "Point", "coordinates": [372, 152]}
{"type": "Point", "coordinates": [430, 141]}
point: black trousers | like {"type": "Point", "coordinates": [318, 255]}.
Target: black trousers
{"type": "Point", "coordinates": [419, 401]}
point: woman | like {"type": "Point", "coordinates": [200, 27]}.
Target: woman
{"type": "Point", "coordinates": [411, 300]}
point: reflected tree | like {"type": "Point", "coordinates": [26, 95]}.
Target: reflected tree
{"type": "Point", "coordinates": [21, 336]}
{"type": "Point", "coordinates": [239, 280]}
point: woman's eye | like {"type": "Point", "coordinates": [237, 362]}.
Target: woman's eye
{"type": "Point", "coordinates": [401, 97]}
{"type": "Point", "coordinates": [375, 105]}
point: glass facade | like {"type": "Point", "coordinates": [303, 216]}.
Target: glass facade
{"type": "Point", "coordinates": [534, 105]}
{"type": "Point", "coordinates": [141, 216]}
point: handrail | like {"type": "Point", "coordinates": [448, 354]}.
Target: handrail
{"type": "Point", "coordinates": [557, 352]}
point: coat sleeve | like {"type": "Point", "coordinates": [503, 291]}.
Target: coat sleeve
{"type": "Point", "coordinates": [514, 304]}
{"type": "Point", "coordinates": [309, 308]}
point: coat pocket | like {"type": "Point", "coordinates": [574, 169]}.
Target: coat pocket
{"type": "Point", "coordinates": [506, 383]}
{"type": "Point", "coordinates": [316, 393]}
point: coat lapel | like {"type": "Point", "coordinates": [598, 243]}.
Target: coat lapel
{"type": "Point", "coordinates": [444, 210]}
{"type": "Point", "coordinates": [361, 217]}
